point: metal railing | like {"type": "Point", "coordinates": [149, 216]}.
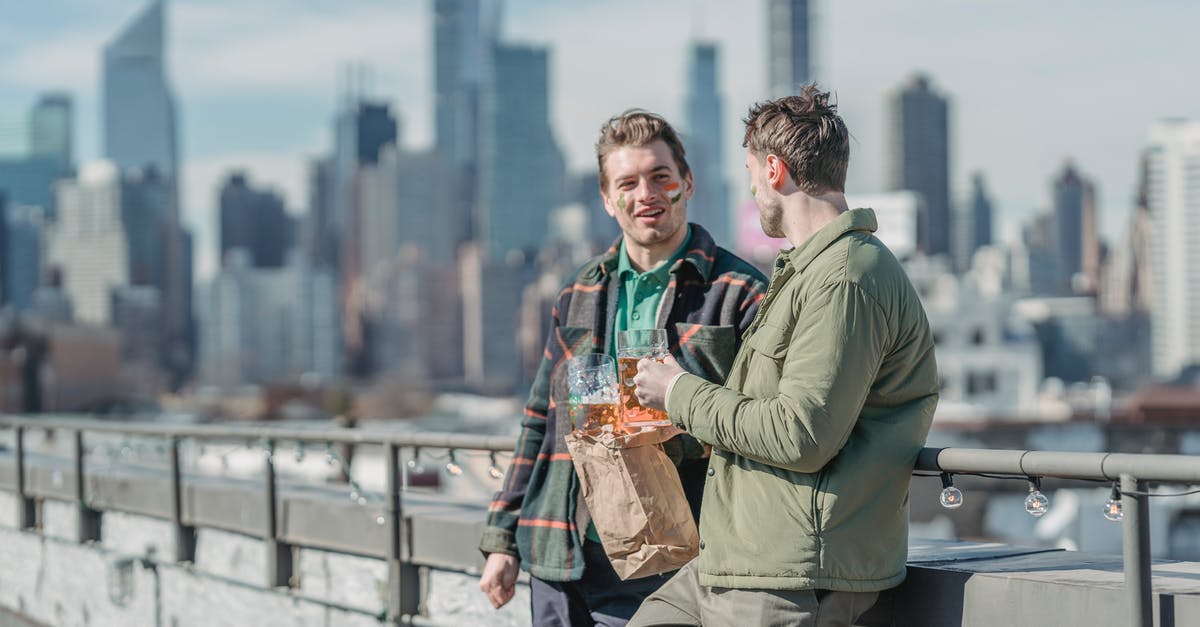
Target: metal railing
{"type": "Point", "coordinates": [403, 588]}
{"type": "Point", "coordinates": [1133, 471]}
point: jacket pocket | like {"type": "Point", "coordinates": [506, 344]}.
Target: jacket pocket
{"type": "Point", "coordinates": [706, 351]}
{"type": "Point", "coordinates": [770, 341]}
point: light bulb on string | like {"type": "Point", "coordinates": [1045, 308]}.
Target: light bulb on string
{"type": "Point", "coordinates": [330, 457]}
{"type": "Point", "coordinates": [1036, 503]}
{"type": "Point", "coordinates": [494, 470]}
{"type": "Point", "coordinates": [1112, 507]}
{"type": "Point", "coordinates": [951, 497]}
{"type": "Point", "coordinates": [414, 464]}
{"type": "Point", "coordinates": [452, 466]}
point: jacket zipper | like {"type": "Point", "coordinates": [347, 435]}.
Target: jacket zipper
{"type": "Point", "coordinates": [816, 512]}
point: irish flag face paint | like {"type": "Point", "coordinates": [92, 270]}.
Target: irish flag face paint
{"type": "Point", "coordinates": [675, 189]}
{"type": "Point", "coordinates": [621, 204]}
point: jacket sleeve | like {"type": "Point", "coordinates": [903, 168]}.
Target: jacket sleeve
{"type": "Point", "coordinates": [830, 362]}
{"type": "Point", "coordinates": [685, 447]}
{"type": "Point", "coordinates": [499, 532]}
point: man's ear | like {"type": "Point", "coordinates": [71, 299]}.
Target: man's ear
{"type": "Point", "coordinates": [689, 186]}
{"type": "Point", "coordinates": [608, 208]}
{"type": "Point", "coordinates": [777, 171]}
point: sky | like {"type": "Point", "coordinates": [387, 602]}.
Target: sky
{"type": "Point", "coordinates": [1031, 84]}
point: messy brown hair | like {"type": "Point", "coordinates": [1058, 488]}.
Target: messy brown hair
{"type": "Point", "coordinates": [806, 132]}
{"type": "Point", "coordinates": [637, 127]}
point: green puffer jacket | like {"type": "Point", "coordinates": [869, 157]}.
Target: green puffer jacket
{"type": "Point", "coordinates": [817, 430]}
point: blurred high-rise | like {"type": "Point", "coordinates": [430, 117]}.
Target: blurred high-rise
{"type": "Point", "coordinates": [139, 109]}
{"type": "Point", "coordinates": [362, 129]}
{"type": "Point", "coordinates": [41, 153]}
{"type": "Point", "coordinates": [522, 180]}
{"type": "Point", "coordinates": [789, 46]}
{"type": "Point", "coordinates": [254, 220]}
{"type": "Point", "coordinates": [521, 170]}
{"type": "Point", "coordinates": [1174, 204]}
{"type": "Point", "coordinates": [1075, 230]}
{"type": "Point", "coordinates": [976, 226]}
{"type": "Point", "coordinates": [919, 158]}
{"type": "Point", "coordinates": [140, 139]}
{"type": "Point", "coordinates": [464, 39]}
{"type": "Point", "coordinates": [89, 245]}
{"type": "Point", "coordinates": [50, 124]}
{"type": "Point", "coordinates": [709, 205]}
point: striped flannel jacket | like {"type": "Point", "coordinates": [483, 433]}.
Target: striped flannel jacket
{"type": "Point", "coordinates": [708, 304]}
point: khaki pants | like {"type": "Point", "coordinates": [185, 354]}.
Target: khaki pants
{"type": "Point", "coordinates": [682, 601]}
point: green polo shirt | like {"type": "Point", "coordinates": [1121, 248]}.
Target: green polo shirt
{"type": "Point", "coordinates": [639, 310]}
{"type": "Point", "coordinates": [637, 304]}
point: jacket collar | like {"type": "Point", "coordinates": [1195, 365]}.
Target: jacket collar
{"type": "Point", "coordinates": [854, 220]}
{"type": "Point", "coordinates": [701, 254]}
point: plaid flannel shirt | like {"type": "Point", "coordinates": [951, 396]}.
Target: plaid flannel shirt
{"type": "Point", "coordinates": [709, 303]}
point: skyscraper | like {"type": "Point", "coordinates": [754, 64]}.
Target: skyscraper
{"type": "Point", "coordinates": [255, 221]}
{"type": "Point", "coordinates": [362, 129]}
{"type": "Point", "coordinates": [1075, 231]}
{"type": "Point", "coordinates": [978, 232]}
{"type": "Point", "coordinates": [140, 136]}
{"type": "Point", "coordinates": [521, 168]}
{"type": "Point", "coordinates": [920, 158]}
{"type": "Point", "coordinates": [463, 35]}
{"type": "Point", "coordinates": [50, 129]}
{"type": "Point", "coordinates": [789, 47]}
{"type": "Point", "coordinates": [709, 206]}
{"type": "Point", "coordinates": [89, 246]}
{"type": "Point", "coordinates": [139, 110]}
{"type": "Point", "coordinates": [1174, 202]}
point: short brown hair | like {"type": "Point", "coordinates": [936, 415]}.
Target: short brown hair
{"type": "Point", "coordinates": [806, 132]}
{"type": "Point", "coordinates": [637, 127]}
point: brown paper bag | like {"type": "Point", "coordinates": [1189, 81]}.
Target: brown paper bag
{"type": "Point", "coordinates": [633, 493]}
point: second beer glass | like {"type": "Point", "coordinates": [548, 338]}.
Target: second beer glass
{"type": "Point", "coordinates": [592, 384]}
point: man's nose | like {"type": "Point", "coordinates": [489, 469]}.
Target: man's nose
{"type": "Point", "coordinates": [645, 190]}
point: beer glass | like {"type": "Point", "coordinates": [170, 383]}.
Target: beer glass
{"type": "Point", "coordinates": [633, 346]}
{"type": "Point", "coordinates": [592, 386]}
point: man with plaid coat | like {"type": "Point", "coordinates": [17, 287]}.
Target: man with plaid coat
{"type": "Point", "coordinates": [661, 273]}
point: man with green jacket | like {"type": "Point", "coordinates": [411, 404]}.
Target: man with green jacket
{"type": "Point", "coordinates": [817, 428]}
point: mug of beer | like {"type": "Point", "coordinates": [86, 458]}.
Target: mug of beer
{"type": "Point", "coordinates": [592, 386]}
{"type": "Point", "coordinates": [633, 346]}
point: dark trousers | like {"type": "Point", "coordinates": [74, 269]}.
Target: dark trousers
{"type": "Point", "coordinates": [599, 599]}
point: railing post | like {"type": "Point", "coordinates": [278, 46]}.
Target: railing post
{"type": "Point", "coordinates": [185, 536]}
{"type": "Point", "coordinates": [403, 582]}
{"type": "Point", "coordinates": [279, 554]}
{"type": "Point", "coordinates": [89, 519]}
{"type": "Point", "coordinates": [1136, 547]}
{"type": "Point", "coordinates": [26, 508]}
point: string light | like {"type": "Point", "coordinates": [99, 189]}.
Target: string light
{"type": "Point", "coordinates": [414, 464]}
{"type": "Point", "coordinates": [452, 466]}
{"type": "Point", "coordinates": [951, 497]}
{"type": "Point", "coordinates": [331, 458]}
{"type": "Point", "coordinates": [1112, 507]}
{"type": "Point", "coordinates": [494, 470]}
{"type": "Point", "coordinates": [299, 451]}
{"type": "Point", "coordinates": [1036, 503]}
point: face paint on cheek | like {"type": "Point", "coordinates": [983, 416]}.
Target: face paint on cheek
{"type": "Point", "coordinates": [621, 202]}
{"type": "Point", "coordinates": [753, 190]}
{"type": "Point", "coordinates": [676, 192]}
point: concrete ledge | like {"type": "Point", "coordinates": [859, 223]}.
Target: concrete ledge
{"type": "Point", "coordinates": [984, 585]}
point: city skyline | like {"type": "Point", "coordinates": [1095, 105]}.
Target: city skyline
{"type": "Point", "coordinates": [257, 86]}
